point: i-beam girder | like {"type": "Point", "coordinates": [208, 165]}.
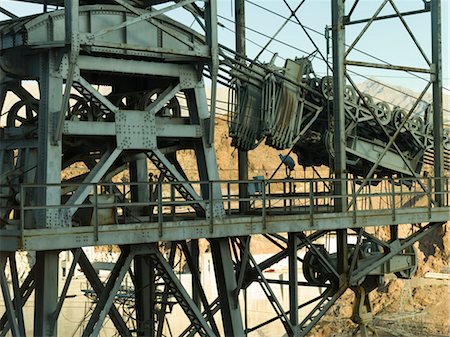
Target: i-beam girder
{"type": "Point", "coordinates": [228, 287]}
{"type": "Point", "coordinates": [205, 322]}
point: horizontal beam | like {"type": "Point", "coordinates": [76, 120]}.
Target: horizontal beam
{"type": "Point", "coordinates": [387, 66]}
{"type": "Point", "coordinates": [384, 17]}
{"type": "Point", "coordinates": [136, 67]}
{"type": "Point", "coordinates": [64, 238]}
{"type": "Point", "coordinates": [13, 144]}
{"type": "Point", "coordinates": [165, 127]}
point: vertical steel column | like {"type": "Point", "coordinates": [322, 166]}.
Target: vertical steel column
{"type": "Point", "coordinates": [3, 89]}
{"type": "Point", "coordinates": [46, 294]}
{"type": "Point", "coordinates": [144, 295]}
{"type": "Point", "coordinates": [206, 155]}
{"type": "Point", "coordinates": [71, 8]}
{"type": "Point", "coordinates": [239, 13]}
{"type": "Point", "coordinates": [49, 153]}
{"type": "Point", "coordinates": [195, 254]}
{"type": "Point", "coordinates": [226, 284]}
{"type": "Point", "coordinates": [11, 309]}
{"type": "Point", "coordinates": [436, 47]}
{"type": "Point", "coordinates": [71, 25]}
{"type": "Point", "coordinates": [139, 192]}
{"type": "Point", "coordinates": [49, 172]}
{"type": "Point", "coordinates": [340, 185]}
{"type": "Point", "coordinates": [211, 35]}
{"type": "Point", "coordinates": [293, 278]}
{"type": "Point", "coordinates": [143, 267]}
{"type": "Point", "coordinates": [97, 285]}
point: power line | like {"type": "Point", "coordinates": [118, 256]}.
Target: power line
{"type": "Point", "coordinates": [322, 34]}
{"type": "Point", "coordinates": [315, 56]}
{"type": "Point", "coordinates": [262, 34]}
{"type": "Point", "coordinates": [351, 71]}
{"type": "Point", "coordinates": [384, 76]}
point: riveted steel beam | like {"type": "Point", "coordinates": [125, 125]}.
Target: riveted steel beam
{"type": "Point", "coordinates": [93, 177]}
{"type": "Point", "coordinates": [65, 289]}
{"type": "Point", "coordinates": [98, 287]}
{"type": "Point", "coordinates": [108, 294]}
{"type": "Point", "coordinates": [226, 284]}
{"type": "Point", "coordinates": [340, 144]}
{"type": "Point", "coordinates": [197, 286]}
{"type": "Point", "coordinates": [180, 293]}
{"type": "Point", "coordinates": [293, 278]}
{"type": "Point", "coordinates": [436, 48]}
{"type": "Point", "coordinates": [25, 291]}
{"type": "Point", "coordinates": [364, 269]}
{"type": "Point", "coordinates": [46, 293]}
{"type": "Point", "coordinates": [10, 310]}
{"type": "Point", "coordinates": [49, 153]}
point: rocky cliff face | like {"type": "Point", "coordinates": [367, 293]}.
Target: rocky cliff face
{"type": "Point", "coordinates": [417, 307]}
{"type": "Point", "coordinates": [429, 302]}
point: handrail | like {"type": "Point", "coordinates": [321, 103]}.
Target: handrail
{"type": "Point", "coordinates": [277, 196]}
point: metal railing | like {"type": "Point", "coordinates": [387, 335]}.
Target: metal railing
{"type": "Point", "coordinates": [112, 203]}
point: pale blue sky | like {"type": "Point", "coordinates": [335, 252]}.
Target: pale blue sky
{"type": "Point", "coordinates": [386, 39]}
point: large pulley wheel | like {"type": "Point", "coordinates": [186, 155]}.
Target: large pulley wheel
{"type": "Point", "coordinates": [416, 124]}
{"type": "Point", "coordinates": [327, 88]}
{"type": "Point", "coordinates": [16, 162]}
{"type": "Point", "coordinates": [409, 273]}
{"type": "Point", "coordinates": [23, 113]}
{"type": "Point", "coordinates": [383, 112]}
{"type": "Point", "coordinates": [365, 100]}
{"type": "Point", "coordinates": [314, 269]}
{"type": "Point", "coordinates": [172, 108]}
{"type": "Point", "coordinates": [366, 103]}
{"type": "Point", "coordinates": [446, 141]}
{"type": "Point", "coordinates": [350, 94]}
{"type": "Point", "coordinates": [80, 110]}
{"type": "Point", "coordinates": [399, 116]}
{"type": "Point", "coordinates": [428, 138]}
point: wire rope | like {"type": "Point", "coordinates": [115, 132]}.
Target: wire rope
{"type": "Point", "coordinates": [327, 62]}
{"type": "Point", "coordinates": [322, 34]}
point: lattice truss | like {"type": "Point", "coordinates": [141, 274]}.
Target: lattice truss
{"type": "Point", "coordinates": [121, 93]}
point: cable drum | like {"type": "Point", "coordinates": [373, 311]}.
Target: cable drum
{"type": "Point", "coordinates": [314, 269]}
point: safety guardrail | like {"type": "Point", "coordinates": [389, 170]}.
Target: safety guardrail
{"type": "Point", "coordinates": [115, 203]}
